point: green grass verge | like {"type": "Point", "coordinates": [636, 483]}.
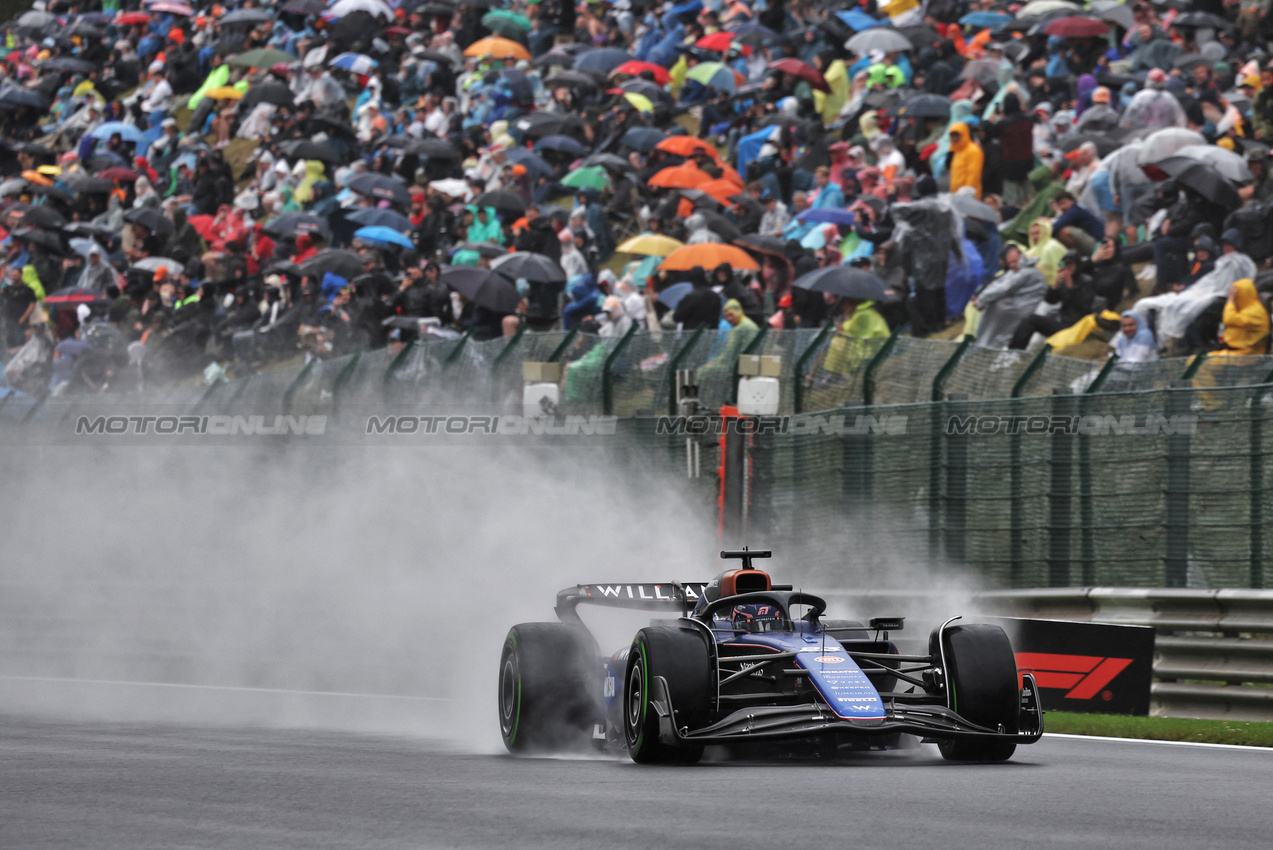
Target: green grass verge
{"type": "Point", "coordinates": [1247, 733]}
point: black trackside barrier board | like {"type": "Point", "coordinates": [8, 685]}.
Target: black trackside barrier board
{"type": "Point", "coordinates": [1086, 667]}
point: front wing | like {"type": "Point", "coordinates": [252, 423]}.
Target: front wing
{"type": "Point", "coordinates": [769, 723]}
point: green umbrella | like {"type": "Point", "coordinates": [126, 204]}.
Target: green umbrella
{"type": "Point", "coordinates": [506, 23]}
{"type": "Point", "coordinates": [262, 57]}
{"type": "Point", "coordinates": [589, 177]}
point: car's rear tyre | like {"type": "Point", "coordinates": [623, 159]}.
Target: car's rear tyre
{"type": "Point", "coordinates": [983, 687]}
{"type": "Point", "coordinates": [549, 688]}
{"type": "Point", "coordinates": [682, 658]}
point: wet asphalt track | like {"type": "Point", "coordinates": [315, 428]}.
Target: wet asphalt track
{"type": "Point", "coordinates": [94, 785]}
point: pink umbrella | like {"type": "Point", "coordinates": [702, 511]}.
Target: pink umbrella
{"type": "Point", "coordinates": [174, 8]}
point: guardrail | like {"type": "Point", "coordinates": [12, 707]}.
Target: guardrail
{"type": "Point", "coordinates": [1213, 649]}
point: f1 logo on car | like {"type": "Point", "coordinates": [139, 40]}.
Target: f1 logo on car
{"type": "Point", "coordinates": [1082, 675]}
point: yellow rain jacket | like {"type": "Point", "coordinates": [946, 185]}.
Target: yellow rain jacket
{"type": "Point", "coordinates": [1047, 252]}
{"type": "Point", "coordinates": [967, 163]}
{"type": "Point", "coordinates": [1246, 322]}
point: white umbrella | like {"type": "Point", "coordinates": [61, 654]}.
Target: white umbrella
{"type": "Point", "coordinates": [149, 264]}
{"type": "Point", "coordinates": [12, 187]}
{"type": "Point", "coordinates": [374, 7]}
{"type": "Point", "coordinates": [1114, 11]}
{"type": "Point", "coordinates": [1039, 8]}
{"type": "Point", "coordinates": [1162, 144]}
{"type": "Point", "coordinates": [1231, 166]}
{"type": "Point", "coordinates": [878, 38]}
{"type": "Point", "coordinates": [453, 186]}
{"type": "Point", "coordinates": [84, 246]}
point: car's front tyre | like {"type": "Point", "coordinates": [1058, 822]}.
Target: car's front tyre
{"type": "Point", "coordinates": [982, 687]}
{"type": "Point", "coordinates": [682, 659]}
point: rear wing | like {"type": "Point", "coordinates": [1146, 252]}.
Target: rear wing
{"type": "Point", "coordinates": [672, 596]}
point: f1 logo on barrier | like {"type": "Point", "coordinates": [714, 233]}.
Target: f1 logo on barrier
{"type": "Point", "coordinates": [1084, 676]}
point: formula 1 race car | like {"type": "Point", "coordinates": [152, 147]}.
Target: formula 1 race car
{"type": "Point", "coordinates": [750, 663]}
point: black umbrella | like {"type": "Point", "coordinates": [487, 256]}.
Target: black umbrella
{"type": "Point", "coordinates": [42, 217]}
{"type": "Point", "coordinates": [43, 238]}
{"type": "Point", "coordinates": [247, 16]}
{"type": "Point", "coordinates": [535, 268]}
{"type": "Point", "coordinates": [435, 9]}
{"type": "Point", "coordinates": [534, 165]}
{"type": "Point", "coordinates": [305, 7]}
{"type": "Point", "coordinates": [52, 192]}
{"type": "Point", "coordinates": [151, 219]}
{"type": "Point", "coordinates": [297, 222]}
{"type": "Point", "coordinates": [570, 77]}
{"type": "Point", "coordinates": [330, 126]}
{"type": "Point", "coordinates": [89, 185]}
{"type": "Point", "coordinates": [562, 144]}
{"type": "Point", "coordinates": [1203, 179]}
{"type": "Point", "coordinates": [603, 59]}
{"type": "Point", "coordinates": [65, 63]}
{"type": "Point", "coordinates": [540, 124]}
{"type": "Point", "coordinates": [699, 198]}
{"type": "Point", "coordinates": [433, 148]}
{"type": "Point", "coordinates": [610, 162]}
{"type": "Point", "coordinates": [506, 203]}
{"type": "Point", "coordinates": [483, 287]}
{"type": "Point", "coordinates": [434, 56]}
{"type": "Point", "coordinates": [380, 186]}
{"type": "Point", "coordinates": [487, 249]}
{"type": "Point", "coordinates": [554, 58]}
{"type": "Point", "coordinates": [35, 149]}
{"type": "Point", "coordinates": [1104, 144]}
{"type": "Point", "coordinates": [922, 106]}
{"type": "Point", "coordinates": [304, 149]}
{"type": "Point", "coordinates": [343, 263]}
{"type": "Point", "coordinates": [1203, 20]}
{"type": "Point", "coordinates": [920, 35]}
{"type": "Point", "coordinates": [374, 217]}
{"type": "Point", "coordinates": [270, 91]}
{"type": "Point", "coordinates": [654, 92]}
{"type": "Point", "coordinates": [847, 282]}
{"type": "Point", "coordinates": [84, 28]}
{"type": "Point", "coordinates": [18, 96]}
{"type": "Point", "coordinates": [96, 231]}
{"type": "Point", "coordinates": [643, 139]}
{"type": "Point", "coordinates": [762, 244]}
{"type": "Point", "coordinates": [720, 225]}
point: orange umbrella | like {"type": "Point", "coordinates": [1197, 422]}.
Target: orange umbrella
{"type": "Point", "coordinates": [500, 48]}
{"type": "Point", "coordinates": [36, 177]}
{"type": "Point", "coordinates": [685, 176]}
{"type": "Point", "coordinates": [686, 146]}
{"type": "Point", "coordinates": [708, 255]}
{"type": "Point", "coordinates": [722, 190]}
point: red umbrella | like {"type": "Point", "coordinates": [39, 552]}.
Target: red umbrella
{"type": "Point", "coordinates": [634, 69]}
{"type": "Point", "coordinates": [1077, 27]}
{"type": "Point", "coordinates": [117, 172]}
{"type": "Point", "coordinates": [716, 41]}
{"type": "Point", "coordinates": [76, 295]}
{"type": "Point", "coordinates": [398, 31]}
{"type": "Point", "coordinates": [202, 225]}
{"type": "Point", "coordinates": [130, 18]}
{"type": "Point", "coordinates": [796, 68]}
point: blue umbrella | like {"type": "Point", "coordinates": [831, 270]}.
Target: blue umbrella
{"type": "Point", "coordinates": [534, 165]}
{"type": "Point", "coordinates": [673, 294]}
{"type": "Point", "coordinates": [356, 63]}
{"type": "Point", "coordinates": [603, 59]}
{"type": "Point", "coordinates": [564, 144]}
{"type": "Point", "coordinates": [383, 235]}
{"type": "Point", "coordinates": [373, 217]}
{"type": "Point", "coordinates": [984, 19]}
{"type": "Point", "coordinates": [643, 139]}
{"type": "Point", "coordinates": [857, 20]}
{"type": "Point", "coordinates": [127, 132]}
{"type": "Point", "coordinates": [828, 215]}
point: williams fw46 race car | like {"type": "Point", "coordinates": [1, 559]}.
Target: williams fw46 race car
{"type": "Point", "coordinates": [753, 663]}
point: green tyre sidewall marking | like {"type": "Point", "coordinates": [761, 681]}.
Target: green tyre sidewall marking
{"type": "Point", "coordinates": [517, 699]}
{"type": "Point", "coordinates": [645, 696]}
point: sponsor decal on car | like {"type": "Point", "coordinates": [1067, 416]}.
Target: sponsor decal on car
{"type": "Point", "coordinates": [829, 659]}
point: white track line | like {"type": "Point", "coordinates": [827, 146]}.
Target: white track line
{"type": "Point", "coordinates": [128, 683]}
{"type": "Point", "coordinates": [1047, 734]}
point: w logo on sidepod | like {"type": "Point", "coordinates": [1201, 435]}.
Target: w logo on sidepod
{"type": "Point", "coordinates": [1082, 675]}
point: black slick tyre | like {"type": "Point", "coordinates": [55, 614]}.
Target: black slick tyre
{"type": "Point", "coordinates": [549, 688]}
{"type": "Point", "coordinates": [682, 658]}
{"type": "Point", "coordinates": [981, 679]}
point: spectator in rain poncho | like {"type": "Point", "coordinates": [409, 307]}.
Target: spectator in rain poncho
{"type": "Point", "coordinates": [698, 231]}
{"type": "Point", "coordinates": [1176, 310]}
{"type": "Point", "coordinates": [961, 112]}
{"type": "Point", "coordinates": [1135, 341]}
{"type": "Point", "coordinates": [1008, 299]}
{"type": "Point", "coordinates": [1154, 106]}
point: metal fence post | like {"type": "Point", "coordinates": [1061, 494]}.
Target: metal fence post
{"type": "Point", "coordinates": [1256, 503]}
{"type": "Point", "coordinates": [1061, 492]}
{"type": "Point", "coordinates": [956, 494]}
{"type": "Point", "coordinates": [935, 428]}
{"type": "Point", "coordinates": [1087, 513]}
{"type": "Point", "coordinates": [675, 363]}
{"type": "Point", "coordinates": [1016, 474]}
{"type": "Point", "coordinates": [802, 363]}
{"type": "Point", "coordinates": [290, 392]}
{"type": "Point", "coordinates": [342, 379]}
{"type": "Point", "coordinates": [868, 376]}
{"type": "Point", "coordinates": [1194, 365]}
{"type": "Point", "coordinates": [1176, 557]}
{"type": "Point", "coordinates": [564, 345]}
{"type": "Point", "coordinates": [607, 377]}
{"type": "Point", "coordinates": [454, 353]}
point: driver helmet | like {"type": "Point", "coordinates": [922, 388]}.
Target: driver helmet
{"type": "Point", "coordinates": [764, 617]}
